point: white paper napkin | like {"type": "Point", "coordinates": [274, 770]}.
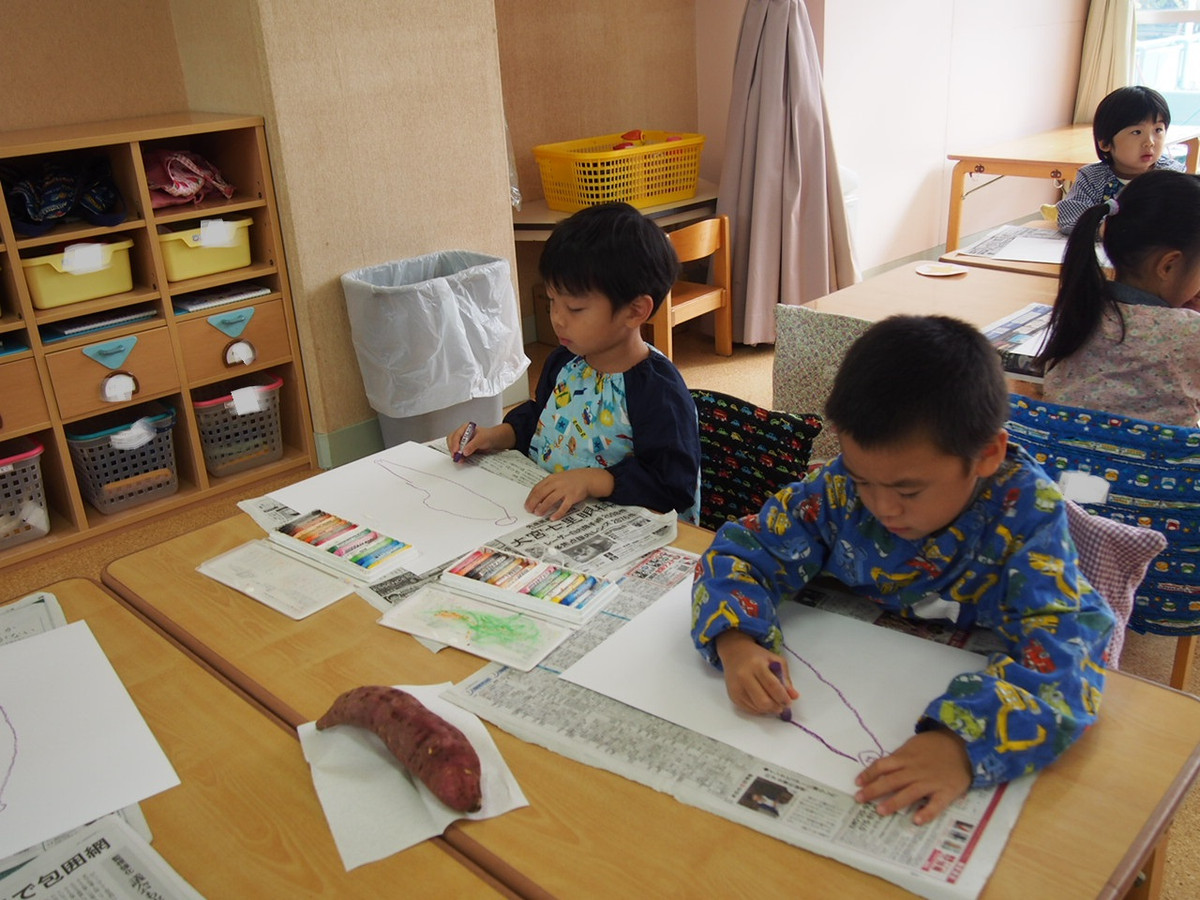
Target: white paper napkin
{"type": "Point", "coordinates": [373, 806]}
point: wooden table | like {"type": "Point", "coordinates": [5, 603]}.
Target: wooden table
{"type": "Point", "coordinates": [245, 820]}
{"type": "Point", "coordinates": [1056, 154]}
{"type": "Point", "coordinates": [979, 296]}
{"type": "Point", "coordinates": [535, 220]}
{"type": "Point", "coordinates": [1091, 822]}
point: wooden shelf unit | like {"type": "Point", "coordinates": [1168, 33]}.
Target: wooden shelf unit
{"type": "Point", "coordinates": [53, 389]}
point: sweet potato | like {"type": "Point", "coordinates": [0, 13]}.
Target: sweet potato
{"type": "Point", "coordinates": [424, 743]}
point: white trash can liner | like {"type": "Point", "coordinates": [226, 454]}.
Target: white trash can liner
{"type": "Point", "coordinates": [434, 331]}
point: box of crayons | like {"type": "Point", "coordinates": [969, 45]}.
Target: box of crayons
{"type": "Point", "coordinates": [341, 546]}
{"type": "Point", "coordinates": [528, 585]}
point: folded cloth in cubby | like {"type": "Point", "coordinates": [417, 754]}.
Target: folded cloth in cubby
{"type": "Point", "coordinates": [180, 176]}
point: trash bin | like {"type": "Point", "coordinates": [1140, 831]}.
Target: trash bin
{"type": "Point", "coordinates": [438, 339]}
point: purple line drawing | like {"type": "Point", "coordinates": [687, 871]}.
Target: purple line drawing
{"type": "Point", "coordinates": [10, 738]}
{"type": "Point", "coordinates": [865, 757]}
{"type": "Point", "coordinates": [408, 474]}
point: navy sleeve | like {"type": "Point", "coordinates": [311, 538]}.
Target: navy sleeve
{"type": "Point", "coordinates": [664, 469]}
{"type": "Point", "coordinates": [524, 417]}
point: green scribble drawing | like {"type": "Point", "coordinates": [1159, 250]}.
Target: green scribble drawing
{"type": "Point", "coordinates": [489, 629]}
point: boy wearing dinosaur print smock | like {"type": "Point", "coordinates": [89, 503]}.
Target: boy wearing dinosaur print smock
{"type": "Point", "coordinates": [931, 512]}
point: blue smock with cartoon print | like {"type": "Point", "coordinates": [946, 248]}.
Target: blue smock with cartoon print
{"type": "Point", "coordinates": [1007, 559]}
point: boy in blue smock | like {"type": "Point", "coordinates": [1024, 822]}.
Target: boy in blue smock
{"type": "Point", "coordinates": [931, 512]}
{"type": "Point", "coordinates": [611, 416]}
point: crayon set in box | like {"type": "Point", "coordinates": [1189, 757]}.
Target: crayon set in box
{"type": "Point", "coordinates": [341, 546]}
{"type": "Point", "coordinates": [528, 585]}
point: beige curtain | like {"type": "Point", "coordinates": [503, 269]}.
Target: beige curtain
{"type": "Point", "coordinates": [1108, 51]}
{"type": "Point", "coordinates": [779, 181]}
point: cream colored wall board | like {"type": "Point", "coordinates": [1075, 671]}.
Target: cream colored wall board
{"type": "Point", "coordinates": [68, 61]}
{"type": "Point", "coordinates": [580, 69]}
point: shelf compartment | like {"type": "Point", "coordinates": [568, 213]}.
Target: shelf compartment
{"type": "Point", "coordinates": [79, 381]}
{"type": "Point", "coordinates": [22, 402]}
{"type": "Point", "coordinates": [24, 515]}
{"type": "Point", "coordinates": [209, 343]}
{"type": "Point", "coordinates": [125, 458]}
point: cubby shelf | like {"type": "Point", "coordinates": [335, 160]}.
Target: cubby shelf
{"type": "Point", "coordinates": [51, 388]}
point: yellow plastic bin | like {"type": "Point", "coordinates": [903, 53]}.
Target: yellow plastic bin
{"type": "Point", "coordinates": [205, 247]}
{"type": "Point", "coordinates": [642, 168]}
{"type": "Point", "coordinates": [81, 272]}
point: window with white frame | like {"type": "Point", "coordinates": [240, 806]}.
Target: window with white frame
{"type": "Point", "coordinates": [1168, 54]}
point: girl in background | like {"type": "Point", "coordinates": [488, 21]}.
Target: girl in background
{"type": "Point", "coordinates": [1130, 131]}
{"type": "Point", "coordinates": [1132, 345]}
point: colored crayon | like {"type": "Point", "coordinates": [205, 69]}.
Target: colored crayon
{"type": "Point", "coordinates": [467, 563]}
{"type": "Point", "coordinates": [293, 526]}
{"type": "Point", "coordinates": [540, 581]}
{"type": "Point", "coordinates": [553, 585]}
{"type": "Point", "coordinates": [567, 588]}
{"type": "Point", "coordinates": [354, 543]}
{"type": "Point", "coordinates": [392, 547]}
{"type": "Point", "coordinates": [369, 549]}
{"type": "Point", "coordinates": [572, 598]}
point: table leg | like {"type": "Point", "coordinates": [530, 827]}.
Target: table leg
{"type": "Point", "coordinates": [954, 218]}
{"type": "Point", "coordinates": [1150, 887]}
{"type": "Point", "coordinates": [1181, 672]}
{"type": "Point", "coordinates": [1193, 153]}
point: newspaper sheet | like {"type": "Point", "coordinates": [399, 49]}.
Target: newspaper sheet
{"type": "Point", "coordinates": [107, 860]}
{"type": "Point", "coordinates": [596, 538]}
{"type": "Point", "coordinates": [949, 858]}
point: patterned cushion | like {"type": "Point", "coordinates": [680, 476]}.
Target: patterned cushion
{"type": "Point", "coordinates": [1113, 558]}
{"type": "Point", "coordinates": [809, 347]}
{"type": "Point", "coordinates": [746, 454]}
{"type": "Point", "coordinates": [1153, 476]}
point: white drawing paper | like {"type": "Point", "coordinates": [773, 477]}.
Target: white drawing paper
{"type": "Point", "coordinates": [862, 687]}
{"type": "Point", "coordinates": [73, 747]}
{"type": "Point", "coordinates": [418, 495]}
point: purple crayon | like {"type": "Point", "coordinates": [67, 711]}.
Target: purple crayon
{"type": "Point", "coordinates": [777, 671]}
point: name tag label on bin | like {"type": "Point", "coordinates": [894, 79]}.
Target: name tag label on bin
{"type": "Point", "coordinates": [136, 435]}
{"type": "Point", "coordinates": [246, 400]}
{"type": "Point", "coordinates": [217, 233]}
{"type": "Point", "coordinates": [81, 259]}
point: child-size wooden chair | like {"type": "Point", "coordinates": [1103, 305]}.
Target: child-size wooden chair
{"type": "Point", "coordinates": [746, 454]}
{"type": "Point", "coordinates": [809, 347]}
{"type": "Point", "coordinates": [1143, 474]}
{"type": "Point", "coordinates": [689, 299]}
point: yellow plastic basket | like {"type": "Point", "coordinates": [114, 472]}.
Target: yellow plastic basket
{"type": "Point", "coordinates": [661, 167]}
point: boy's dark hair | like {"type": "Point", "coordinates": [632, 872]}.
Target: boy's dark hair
{"type": "Point", "coordinates": [1124, 107]}
{"type": "Point", "coordinates": [1159, 210]}
{"type": "Point", "coordinates": [920, 376]}
{"type": "Point", "coordinates": [613, 249]}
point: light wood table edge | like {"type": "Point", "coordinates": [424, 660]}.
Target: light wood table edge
{"type": "Point", "coordinates": [468, 862]}
{"type": "Point", "coordinates": [249, 689]}
{"type": "Point", "coordinates": [505, 878]}
{"type": "Point", "coordinates": [1147, 853]}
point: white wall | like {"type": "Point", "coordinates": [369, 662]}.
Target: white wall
{"type": "Point", "coordinates": [908, 83]}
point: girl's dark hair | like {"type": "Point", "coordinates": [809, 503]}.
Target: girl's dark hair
{"type": "Point", "coordinates": [1157, 211]}
{"type": "Point", "coordinates": [920, 376]}
{"type": "Point", "coordinates": [611, 248]}
{"type": "Point", "coordinates": [1124, 107]}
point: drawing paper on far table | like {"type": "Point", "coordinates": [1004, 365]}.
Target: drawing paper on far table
{"type": "Point", "coordinates": [420, 496]}
{"type": "Point", "coordinates": [862, 688]}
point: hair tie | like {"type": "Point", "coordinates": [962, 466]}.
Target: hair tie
{"type": "Point", "coordinates": [1112, 205]}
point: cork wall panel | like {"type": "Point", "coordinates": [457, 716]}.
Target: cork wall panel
{"type": "Point", "coordinates": [65, 61]}
{"type": "Point", "coordinates": [573, 70]}
{"type": "Point", "coordinates": [387, 143]}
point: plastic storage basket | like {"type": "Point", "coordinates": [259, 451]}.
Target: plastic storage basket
{"type": "Point", "coordinates": [662, 167]}
{"type": "Point", "coordinates": [23, 514]}
{"type": "Point", "coordinates": [126, 458]}
{"type": "Point", "coordinates": [233, 442]}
